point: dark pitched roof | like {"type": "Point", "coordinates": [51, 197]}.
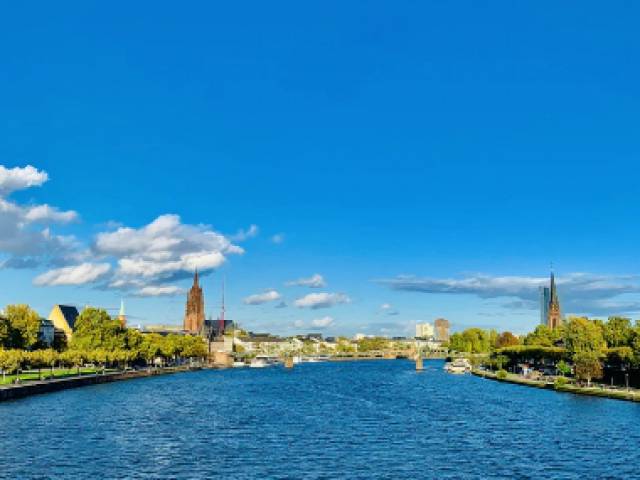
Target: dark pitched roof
{"type": "Point", "coordinates": [70, 314]}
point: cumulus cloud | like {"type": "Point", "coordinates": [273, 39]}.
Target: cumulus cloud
{"type": "Point", "coordinates": [20, 178]}
{"type": "Point", "coordinates": [314, 281]}
{"type": "Point", "coordinates": [159, 290]}
{"type": "Point", "coordinates": [243, 235]}
{"type": "Point", "coordinates": [323, 322]}
{"type": "Point", "coordinates": [25, 230]}
{"type": "Point", "coordinates": [73, 275]}
{"type": "Point", "coordinates": [579, 292]}
{"type": "Point", "coordinates": [321, 300]}
{"type": "Point", "coordinates": [260, 298]}
{"type": "Point", "coordinates": [165, 250]}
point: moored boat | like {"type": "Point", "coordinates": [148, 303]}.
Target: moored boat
{"type": "Point", "coordinates": [458, 366]}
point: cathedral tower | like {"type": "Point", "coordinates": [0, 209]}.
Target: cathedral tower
{"type": "Point", "coordinates": [554, 318]}
{"type": "Point", "coordinates": [194, 313]}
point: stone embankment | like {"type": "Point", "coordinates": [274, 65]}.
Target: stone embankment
{"type": "Point", "coordinates": [595, 391]}
{"type": "Point", "coordinates": [14, 391]}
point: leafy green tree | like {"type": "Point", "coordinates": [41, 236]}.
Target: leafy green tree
{"type": "Point", "coordinates": [373, 344]}
{"type": "Point", "coordinates": [473, 340]}
{"type": "Point", "coordinates": [563, 367]}
{"type": "Point", "coordinates": [583, 335]}
{"type": "Point", "coordinates": [543, 336]}
{"type": "Point", "coordinates": [10, 361]}
{"type": "Point", "coordinates": [618, 332]}
{"type": "Point", "coordinates": [588, 366]}
{"type": "Point", "coordinates": [22, 327]}
{"type": "Point", "coordinates": [506, 339]}
{"type": "Point", "coordinates": [94, 328]}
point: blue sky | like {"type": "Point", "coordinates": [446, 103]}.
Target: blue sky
{"type": "Point", "coordinates": [429, 156]}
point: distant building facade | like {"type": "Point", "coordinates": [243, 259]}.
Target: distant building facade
{"type": "Point", "coordinates": [46, 332]}
{"type": "Point", "coordinates": [122, 317]}
{"type": "Point", "coordinates": [194, 312]}
{"type": "Point", "coordinates": [545, 299]}
{"type": "Point", "coordinates": [64, 318]}
{"type": "Point", "coordinates": [442, 329]}
{"type": "Point", "coordinates": [424, 330]}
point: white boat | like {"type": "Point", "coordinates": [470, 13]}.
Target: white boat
{"type": "Point", "coordinates": [458, 366]}
{"type": "Point", "coordinates": [239, 364]}
{"type": "Point", "coordinates": [259, 362]}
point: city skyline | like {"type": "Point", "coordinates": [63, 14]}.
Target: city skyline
{"type": "Point", "coordinates": [372, 174]}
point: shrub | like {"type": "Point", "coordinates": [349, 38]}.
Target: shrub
{"type": "Point", "coordinates": [560, 382]}
{"type": "Point", "coordinates": [502, 374]}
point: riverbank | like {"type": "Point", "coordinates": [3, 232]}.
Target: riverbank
{"type": "Point", "coordinates": [22, 390]}
{"type": "Point", "coordinates": [629, 396]}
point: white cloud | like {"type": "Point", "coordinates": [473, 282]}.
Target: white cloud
{"type": "Point", "coordinates": [278, 238]}
{"type": "Point", "coordinates": [260, 298]}
{"type": "Point", "coordinates": [73, 275]}
{"type": "Point", "coordinates": [19, 178]}
{"type": "Point", "coordinates": [164, 250]}
{"type": "Point", "coordinates": [298, 323]}
{"type": "Point", "coordinates": [579, 292]}
{"type": "Point", "coordinates": [386, 306]}
{"type": "Point", "coordinates": [321, 300]}
{"type": "Point", "coordinates": [314, 281]}
{"type": "Point", "coordinates": [46, 213]}
{"type": "Point", "coordinates": [25, 234]}
{"type": "Point", "coordinates": [243, 235]}
{"type": "Point", "coordinates": [323, 322]}
{"type": "Point", "coordinates": [159, 290]}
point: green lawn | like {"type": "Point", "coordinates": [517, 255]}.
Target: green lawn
{"type": "Point", "coordinates": [46, 373]}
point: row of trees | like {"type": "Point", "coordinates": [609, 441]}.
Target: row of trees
{"type": "Point", "coordinates": [477, 340]}
{"type": "Point", "coordinates": [97, 339]}
{"type": "Point", "coordinates": [587, 344]}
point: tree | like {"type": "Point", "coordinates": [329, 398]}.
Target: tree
{"type": "Point", "coordinates": [94, 328]}
{"type": "Point", "coordinates": [543, 336]}
{"type": "Point", "coordinates": [563, 367]}
{"type": "Point", "coordinates": [583, 335]}
{"type": "Point", "coordinates": [10, 361]}
{"type": "Point", "coordinates": [506, 339]}
{"type": "Point", "coordinates": [473, 340]}
{"type": "Point", "coordinates": [588, 366]}
{"type": "Point", "coordinates": [618, 332]}
{"type": "Point", "coordinates": [23, 325]}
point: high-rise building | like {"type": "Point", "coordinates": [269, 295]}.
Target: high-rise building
{"type": "Point", "coordinates": [554, 317]}
{"type": "Point", "coordinates": [424, 330]}
{"type": "Point", "coordinates": [122, 316]}
{"type": "Point", "coordinates": [194, 312]}
{"type": "Point", "coordinates": [442, 329]}
{"type": "Point", "coordinates": [545, 298]}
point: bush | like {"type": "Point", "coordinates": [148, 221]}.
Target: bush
{"type": "Point", "coordinates": [560, 382]}
{"type": "Point", "coordinates": [502, 374]}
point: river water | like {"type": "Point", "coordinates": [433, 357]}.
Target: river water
{"type": "Point", "coordinates": [369, 420]}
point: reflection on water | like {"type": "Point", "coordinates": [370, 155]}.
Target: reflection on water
{"type": "Point", "coordinates": [377, 419]}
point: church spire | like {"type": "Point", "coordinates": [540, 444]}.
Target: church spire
{"type": "Point", "coordinates": [554, 317]}
{"type": "Point", "coordinates": [196, 278]}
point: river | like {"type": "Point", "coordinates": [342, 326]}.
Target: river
{"type": "Point", "coordinates": [369, 420]}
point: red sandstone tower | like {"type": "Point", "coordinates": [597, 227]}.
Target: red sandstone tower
{"type": "Point", "coordinates": [554, 319]}
{"type": "Point", "coordinates": [194, 313]}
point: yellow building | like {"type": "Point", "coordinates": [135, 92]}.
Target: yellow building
{"type": "Point", "coordinates": [64, 319]}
